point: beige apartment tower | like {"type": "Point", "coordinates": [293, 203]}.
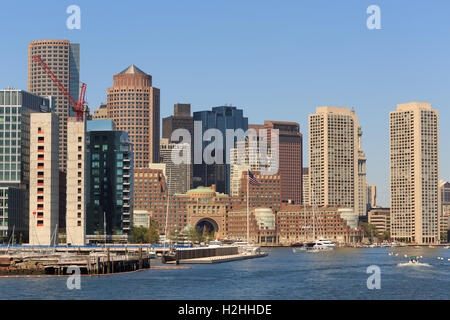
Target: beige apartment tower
{"type": "Point", "coordinates": [44, 179]}
{"type": "Point", "coordinates": [63, 59]}
{"type": "Point", "coordinates": [414, 173]}
{"type": "Point", "coordinates": [336, 160]}
{"type": "Point", "coordinates": [76, 183]}
{"type": "Point", "coordinates": [133, 104]}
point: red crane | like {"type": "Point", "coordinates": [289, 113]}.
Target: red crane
{"type": "Point", "coordinates": [79, 107]}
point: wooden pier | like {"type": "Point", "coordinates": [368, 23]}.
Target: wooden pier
{"type": "Point", "coordinates": [58, 264]}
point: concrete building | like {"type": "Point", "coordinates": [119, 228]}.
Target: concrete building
{"type": "Point", "coordinates": [101, 112]}
{"type": "Point", "coordinates": [142, 218]}
{"type": "Point", "coordinates": [336, 161]}
{"type": "Point", "coordinates": [414, 174]}
{"type": "Point", "coordinates": [15, 109]}
{"type": "Point", "coordinates": [179, 175]}
{"type": "Point", "coordinates": [44, 179]}
{"type": "Point", "coordinates": [381, 219]}
{"type": "Point", "coordinates": [219, 118]}
{"type": "Point", "coordinates": [306, 185]}
{"type": "Point", "coordinates": [77, 183]}
{"type": "Point", "coordinates": [371, 196]}
{"type": "Point", "coordinates": [110, 178]}
{"type": "Point", "coordinates": [444, 193]}
{"type": "Point", "coordinates": [134, 105]}
{"type": "Point", "coordinates": [63, 58]}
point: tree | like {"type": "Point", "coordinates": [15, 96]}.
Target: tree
{"type": "Point", "coordinates": [145, 235]}
{"type": "Point", "coordinates": [444, 236]}
{"type": "Point", "coordinates": [370, 230]}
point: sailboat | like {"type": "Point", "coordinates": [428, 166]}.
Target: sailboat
{"type": "Point", "coordinates": [321, 244]}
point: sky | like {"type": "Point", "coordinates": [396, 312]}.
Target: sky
{"type": "Point", "coordinates": [277, 60]}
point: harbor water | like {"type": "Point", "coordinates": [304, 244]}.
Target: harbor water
{"type": "Point", "coordinates": [283, 274]}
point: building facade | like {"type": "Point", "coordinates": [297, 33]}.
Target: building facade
{"type": "Point", "coordinates": [444, 192]}
{"type": "Point", "coordinates": [290, 158]}
{"type": "Point", "coordinates": [101, 112]}
{"type": "Point", "coordinates": [134, 105]}
{"type": "Point", "coordinates": [414, 173]}
{"type": "Point", "coordinates": [179, 174]}
{"type": "Point", "coordinates": [181, 119]}
{"type": "Point", "coordinates": [336, 161]}
{"type": "Point", "coordinates": [77, 183]}
{"type": "Point", "coordinates": [221, 119]}
{"type": "Point", "coordinates": [15, 109]}
{"type": "Point", "coordinates": [304, 223]}
{"type": "Point", "coordinates": [63, 59]}
{"type": "Point", "coordinates": [381, 219]}
{"type": "Point", "coordinates": [110, 177]}
{"type": "Point", "coordinates": [44, 179]}
{"type": "Point", "coordinates": [306, 184]}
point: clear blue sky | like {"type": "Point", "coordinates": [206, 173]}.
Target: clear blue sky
{"type": "Point", "coordinates": [277, 60]}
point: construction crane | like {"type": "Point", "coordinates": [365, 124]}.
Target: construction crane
{"type": "Point", "coordinates": [79, 107]}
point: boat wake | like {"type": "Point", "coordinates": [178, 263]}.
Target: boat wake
{"type": "Point", "coordinates": [409, 264]}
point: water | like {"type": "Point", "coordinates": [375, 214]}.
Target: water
{"type": "Point", "coordinates": [339, 274]}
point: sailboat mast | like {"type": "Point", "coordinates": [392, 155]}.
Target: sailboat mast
{"type": "Point", "coordinates": [248, 185]}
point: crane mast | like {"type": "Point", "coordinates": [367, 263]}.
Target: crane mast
{"type": "Point", "coordinates": [80, 108]}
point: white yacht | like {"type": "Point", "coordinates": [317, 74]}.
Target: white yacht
{"type": "Point", "coordinates": [319, 245]}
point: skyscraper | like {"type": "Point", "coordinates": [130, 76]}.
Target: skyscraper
{"type": "Point", "coordinates": [306, 184]}
{"type": "Point", "coordinates": [444, 189]}
{"type": "Point", "coordinates": [414, 155]}
{"type": "Point", "coordinates": [220, 118]}
{"type": "Point", "coordinates": [290, 158]}
{"type": "Point", "coordinates": [336, 162]}
{"type": "Point", "coordinates": [179, 175]}
{"type": "Point", "coordinates": [63, 59]}
{"type": "Point", "coordinates": [133, 104]}
{"type": "Point", "coordinates": [16, 106]}
{"type": "Point", "coordinates": [181, 119]}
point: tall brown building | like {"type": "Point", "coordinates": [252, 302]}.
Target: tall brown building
{"type": "Point", "coordinates": [63, 59]}
{"type": "Point", "coordinates": [181, 119]}
{"type": "Point", "coordinates": [290, 157]}
{"type": "Point", "coordinates": [133, 104]}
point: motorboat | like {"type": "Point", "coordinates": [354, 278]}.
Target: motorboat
{"type": "Point", "coordinates": [319, 245]}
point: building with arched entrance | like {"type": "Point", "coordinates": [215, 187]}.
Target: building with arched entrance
{"type": "Point", "coordinates": [207, 210]}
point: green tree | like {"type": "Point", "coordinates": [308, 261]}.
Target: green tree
{"type": "Point", "coordinates": [370, 230]}
{"type": "Point", "coordinates": [145, 235]}
{"type": "Point", "coordinates": [444, 236]}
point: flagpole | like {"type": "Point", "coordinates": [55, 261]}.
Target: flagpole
{"type": "Point", "coordinates": [248, 185]}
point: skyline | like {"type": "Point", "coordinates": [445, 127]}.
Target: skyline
{"type": "Point", "coordinates": [197, 55]}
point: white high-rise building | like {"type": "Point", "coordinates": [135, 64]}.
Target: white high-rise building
{"type": "Point", "coordinates": [76, 183]}
{"type": "Point", "coordinates": [337, 164]}
{"type": "Point", "coordinates": [44, 179]}
{"type": "Point", "coordinates": [414, 165]}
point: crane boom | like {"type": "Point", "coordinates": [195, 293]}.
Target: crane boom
{"type": "Point", "coordinates": [79, 107]}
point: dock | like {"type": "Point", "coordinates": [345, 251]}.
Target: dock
{"type": "Point", "coordinates": [211, 255]}
{"type": "Point", "coordinates": [220, 259]}
{"type": "Point", "coordinates": [54, 263]}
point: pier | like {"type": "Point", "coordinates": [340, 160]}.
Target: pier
{"type": "Point", "coordinates": [56, 263]}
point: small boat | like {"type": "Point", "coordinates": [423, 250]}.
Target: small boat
{"type": "Point", "coordinates": [152, 255]}
{"type": "Point", "coordinates": [413, 260]}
